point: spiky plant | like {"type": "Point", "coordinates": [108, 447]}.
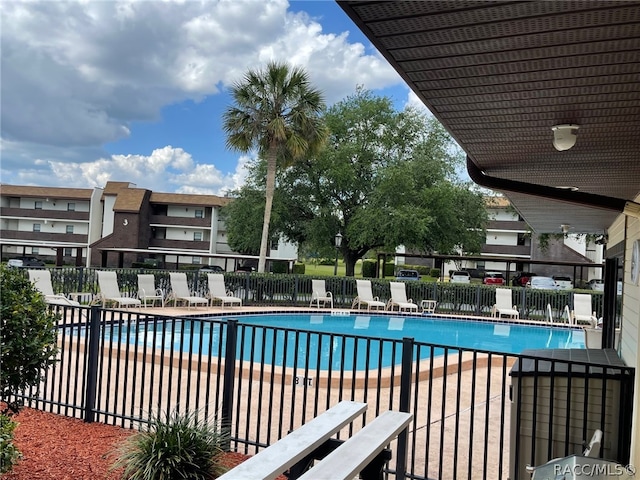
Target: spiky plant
{"type": "Point", "coordinates": [172, 446]}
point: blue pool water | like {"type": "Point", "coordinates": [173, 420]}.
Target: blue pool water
{"type": "Point", "coordinates": [318, 348]}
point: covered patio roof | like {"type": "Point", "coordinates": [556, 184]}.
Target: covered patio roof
{"type": "Point", "coordinates": [500, 74]}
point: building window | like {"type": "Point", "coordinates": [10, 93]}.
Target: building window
{"type": "Point", "coordinates": [196, 260]}
{"type": "Point", "coordinates": [36, 227]}
{"type": "Point", "coordinates": [197, 236]}
{"type": "Point", "coordinates": [71, 207]}
{"type": "Point", "coordinates": [68, 252]}
{"type": "Point", "coordinates": [274, 245]}
{"type": "Point", "coordinates": [35, 250]}
{"type": "Point", "coordinates": [38, 205]}
{"type": "Point", "coordinates": [69, 228]}
{"type": "Point", "coordinates": [199, 213]}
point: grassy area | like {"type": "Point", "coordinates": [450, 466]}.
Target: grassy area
{"type": "Point", "coordinates": [327, 270]}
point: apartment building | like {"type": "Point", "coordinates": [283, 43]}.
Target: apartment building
{"type": "Point", "coordinates": [508, 236]}
{"type": "Point", "coordinates": [510, 243]}
{"type": "Point", "coordinates": [87, 226]}
{"type": "Point", "coordinates": [54, 223]}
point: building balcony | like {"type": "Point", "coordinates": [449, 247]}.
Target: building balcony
{"type": "Point", "coordinates": [51, 215]}
{"type": "Point", "coordinates": [179, 244]}
{"type": "Point", "coordinates": [180, 221]}
{"type": "Point", "coordinates": [507, 225]}
{"type": "Point", "coordinates": [507, 250]}
{"type": "Point", "coordinates": [54, 238]}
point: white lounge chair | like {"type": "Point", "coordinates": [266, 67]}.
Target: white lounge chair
{"type": "Point", "coordinates": [399, 298]}
{"type": "Point", "coordinates": [42, 281]}
{"type": "Point", "coordinates": [109, 291]}
{"type": "Point", "coordinates": [319, 294]}
{"type": "Point", "coordinates": [582, 311]}
{"type": "Point", "coordinates": [365, 297]}
{"type": "Point", "coordinates": [147, 291]}
{"type": "Point", "coordinates": [218, 290]}
{"type": "Point", "coordinates": [180, 291]}
{"type": "Point", "coordinates": [503, 305]}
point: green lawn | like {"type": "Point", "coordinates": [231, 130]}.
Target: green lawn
{"type": "Point", "coordinates": [327, 270]}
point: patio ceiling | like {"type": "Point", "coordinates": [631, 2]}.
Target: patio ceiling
{"type": "Point", "coordinates": [500, 74]}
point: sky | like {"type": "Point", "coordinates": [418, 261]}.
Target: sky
{"type": "Point", "coordinates": [97, 91]}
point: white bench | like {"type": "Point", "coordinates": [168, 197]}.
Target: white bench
{"type": "Point", "coordinates": [300, 446]}
{"type": "Point", "coordinates": [277, 458]}
{"type": "Point", "coordinates": [353, 456]}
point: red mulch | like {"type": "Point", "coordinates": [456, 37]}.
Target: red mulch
{"type": "Point", "coordinates": [55, 447]}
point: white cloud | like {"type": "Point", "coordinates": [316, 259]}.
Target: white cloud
{"type": "Point", "coordinates": [415, 102]}
{"type": "Point", "coordinates": [167, 169]}
{"type": "Point", "coordinates": [77, 76]}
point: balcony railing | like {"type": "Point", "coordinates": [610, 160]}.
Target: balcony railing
{"type": "Point", "coordinates": [54, 238]}
{"type": "Point", "coordinates": [180, 244]}
{"type": "Point", "coordinates": [41, 213]}
{"type": "Point", "coordinates": [180, 221]}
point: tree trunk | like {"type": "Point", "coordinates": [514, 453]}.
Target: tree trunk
{"type": "Point", "coordinates": [269, 190]}
{"type": "Point", "coordinates": [350, 259]}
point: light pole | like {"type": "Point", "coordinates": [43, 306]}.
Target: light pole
{"type": "Point", "coordinates": [338, 242]}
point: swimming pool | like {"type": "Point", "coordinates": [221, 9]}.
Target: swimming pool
{"type": "Point", "coordinates": [343, 341]}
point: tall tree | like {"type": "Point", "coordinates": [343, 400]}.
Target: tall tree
{"type": "Point", "coordinates": [387, 179]}
{"type": "Point", "coordinates": [277, 112]}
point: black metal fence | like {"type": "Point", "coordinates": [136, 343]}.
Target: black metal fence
{"type": "Point", "coordinates": [475, 416]}
{"type": "Point", "coordinates": [295, 290]}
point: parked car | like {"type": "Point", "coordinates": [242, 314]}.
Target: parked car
{"type": "Point", "coordinates": [563, 282]}
{"type": "Point", "coordinates": [542, 283]}
{"type": "Point", "coordinates": [404, 275]}
{"type": "Point", "coordinates": [521, 279]}
{"type": "Point", "coordinates": [247, 266]}
{"type": "Point", "coordinates": [212, 269]}
{"type": "Point", "coordinates": [596, 284]}
{"type": "Point", "coordinates": [25, 262]}
{"type": "Point", "coordinates": [493, 278]}
{"type": "Point", "coordinates": [460, 277]}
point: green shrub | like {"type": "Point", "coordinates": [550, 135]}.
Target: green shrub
{"type": "Point", "coordinates": [434, 272]}
{"type": "Point", "coordinates": [9, 454]}
{"type": "Point", "coordinates": [279, 267]}
{"type": "Point", "coordinates": [368, 269]}
{"type": "Point", "coordinates": [174, 445]}
{"type": "Point", "coordinates": [389, 269]}
{"type": "Point", "coordinates": [298, 268]}
{"type": "Point", "coordinates": [327, 261]}
{"type": "Point", "coordinates": [27, 334]}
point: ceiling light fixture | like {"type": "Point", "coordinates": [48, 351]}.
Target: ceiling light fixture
{"type": "Point", "coordinates": [565, 228]}
{"type": "Point", "coordinates": [564, 136]}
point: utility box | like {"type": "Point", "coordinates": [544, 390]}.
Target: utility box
{"type": "Point", "coordinates": [559, 398]}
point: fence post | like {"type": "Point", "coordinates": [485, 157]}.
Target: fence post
{"type": "Point", "coordinates": [405, 404]}
{"type": "Point", "coordinates": [91, 384]}
{"type": "Point", "coordinates": [247, 279]}
{"type": "Point", "coordinates": [80, 287]}
{"type": "Point", "coordinates": [296, 285]}
{"type": "Point", "coordinates": [229, 378]}
{"type": "Point", "coordinates": [478, 299]}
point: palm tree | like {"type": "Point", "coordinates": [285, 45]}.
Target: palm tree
{"type": "Point", "coordinates": [278, 112]}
